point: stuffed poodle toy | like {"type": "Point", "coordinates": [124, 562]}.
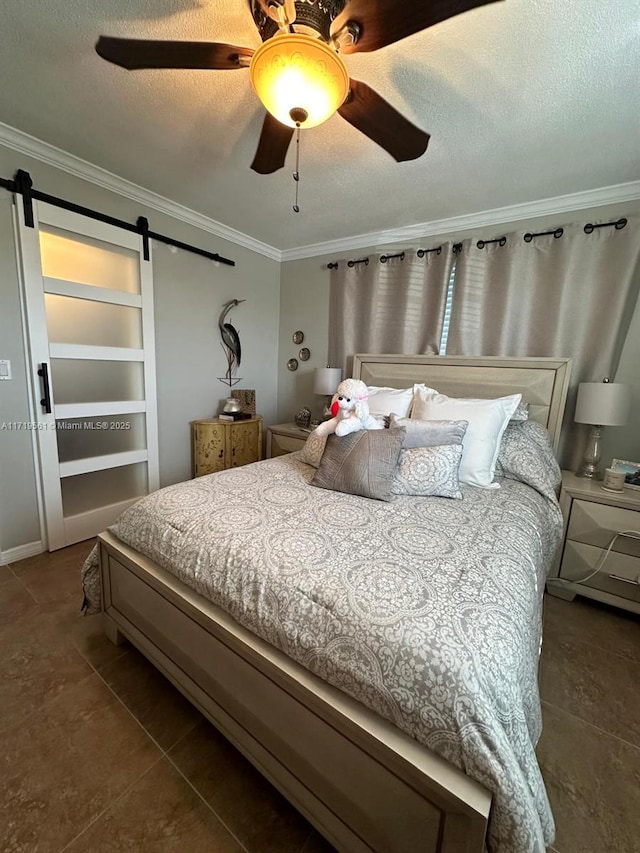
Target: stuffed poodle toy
{"type": "Point", "coordinates": [350, 410]}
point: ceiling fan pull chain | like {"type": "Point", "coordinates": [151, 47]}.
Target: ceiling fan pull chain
{"type": "Point", "coordinates": [296, 174]}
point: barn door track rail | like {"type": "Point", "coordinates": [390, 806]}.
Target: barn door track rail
{"type": "Point", "coordinates": [23, 185]}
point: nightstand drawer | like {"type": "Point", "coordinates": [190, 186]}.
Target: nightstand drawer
{"type": "Point", "coordinates": [619, 575]}
{"type": "Point", "coordinates": [595, 524]}
{"type": "Point", "coordinates": [281, 444]}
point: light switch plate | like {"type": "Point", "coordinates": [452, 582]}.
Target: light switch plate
{"type": "Point", "coordinates": [5, 368]}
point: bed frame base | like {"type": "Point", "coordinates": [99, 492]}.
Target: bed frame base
{"type": "Point", "coordinates": [365, 785]}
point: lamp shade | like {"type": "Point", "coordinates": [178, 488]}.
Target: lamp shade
{"type": "Point", "coordinates": [602, 403]}
{"type": "Point", "coordinates": [293, 72]}
{"type": "Point", "coordinates": [326, 380]}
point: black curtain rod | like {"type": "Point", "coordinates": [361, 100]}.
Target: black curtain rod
{"type": "Point", "coordinates": [23, 185]}
{"type": "Point", "coordinates": [501, 241]}
{"type": "Point", "coordinates": [618, 224]}
{"type": "Point", "coordinates": [385, 258]}
{"type": "Point", "coordinates": [528, 237]}
{"type": "Point", "coordinates": [351, 263]}
{"type": "Point", "coordinates": [333, 265]}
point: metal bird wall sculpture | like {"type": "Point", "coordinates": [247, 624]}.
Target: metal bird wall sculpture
{"type": "Point", "coordinates": [230, 342]}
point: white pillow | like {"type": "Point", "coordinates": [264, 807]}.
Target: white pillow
{"type": "Point", "coordinates": [383, 401]}
{"type": "Point", "coordinates": [488, 420]}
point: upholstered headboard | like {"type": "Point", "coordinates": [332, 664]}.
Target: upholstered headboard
{"type": "Point", "coordinates": [543, 382]}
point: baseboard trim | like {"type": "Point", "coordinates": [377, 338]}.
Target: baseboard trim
{"type": "Point", "coordinates": [21, 552]}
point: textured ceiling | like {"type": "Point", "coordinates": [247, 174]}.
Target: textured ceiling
{"type": "Point", "coordinates": [524, 100]}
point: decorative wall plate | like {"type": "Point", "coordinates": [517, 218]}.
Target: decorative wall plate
{"type": "Point", "coordinates": [298, 337]}
{"type": "Point", "coordinates": [304, 354]}
{"type": "Point", "coordinates": [292, 364]}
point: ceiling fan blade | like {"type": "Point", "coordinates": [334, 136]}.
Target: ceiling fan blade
{"type": "Point", "coordinates": [383, 22]}
{"type": "Point", "coordinates": [368, 111]}
{"type": "Point", "coordinates": [272, 147]}
{"type": "Point", "coordinates": [140, 53]}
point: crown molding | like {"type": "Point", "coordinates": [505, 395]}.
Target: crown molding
{"type": "Point", "coordinates": [616, 194]}
{"type": "Point", "coordinates": [22, 142]}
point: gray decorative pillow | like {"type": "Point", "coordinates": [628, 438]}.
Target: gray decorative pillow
{"type": "Point", "coordinates": [521, 414]}
{"type": "Point", "coordinates": [429, 471]}
{"type": "Point", "coordinates": [313, 449]}
{"type": "Point", "coordinates": [429, 433]}
{"type": "Point", "coordinates": [526, 454]}
{"type": "Point", "coordinates": [362, 463]}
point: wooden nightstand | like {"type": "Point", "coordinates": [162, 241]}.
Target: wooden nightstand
{"type": "Point", "coordinates": [219, 444]}
{"type": "Point", "coordinates": [592, 517]}
{"type": "Point", "coordinates": [285, 438]}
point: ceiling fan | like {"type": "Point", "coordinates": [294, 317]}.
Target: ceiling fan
{"type": "Point", "coordinates": [298, 73]}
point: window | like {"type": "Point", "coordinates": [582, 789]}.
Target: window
{"type": "Point", "coordinates": [447, 310]}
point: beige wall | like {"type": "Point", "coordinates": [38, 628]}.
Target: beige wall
{"type": "Point", "coordinates": [189, 293]}
{"type": "Point", "coordinates": [304, 304]}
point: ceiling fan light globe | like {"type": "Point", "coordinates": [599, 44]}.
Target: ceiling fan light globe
{"type": "Point", "coordinates": [297, 72]}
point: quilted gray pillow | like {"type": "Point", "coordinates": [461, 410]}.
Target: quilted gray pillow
{"type": "Point", "coordinates": [526, 454]}
{"type": "Point", "coordinates": [313, 449]}
{"type": "Point", "coordinates": [521, 414]}
{"type": "Point", "coordinates": [429, 471]}
{"type": "Point", "coordinates": [362, 463]}
{"type": "Point", "coordinates": [429, 433]}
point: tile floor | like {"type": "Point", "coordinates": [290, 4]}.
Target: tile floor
{"type": "Point", "coordinates": [100, 754]}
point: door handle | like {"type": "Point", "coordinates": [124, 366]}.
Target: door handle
{"type": "Point", "coordinates": [45, 402]}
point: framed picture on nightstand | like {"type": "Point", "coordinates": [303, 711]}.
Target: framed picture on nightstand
{"type": "Point", "coordinates": [631, 471]}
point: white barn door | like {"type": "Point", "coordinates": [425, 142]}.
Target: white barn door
{"type": "Point", "coordinates": [88, 298]}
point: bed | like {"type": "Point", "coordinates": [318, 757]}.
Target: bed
{"type": "Point", "coordinates": [355, 751]}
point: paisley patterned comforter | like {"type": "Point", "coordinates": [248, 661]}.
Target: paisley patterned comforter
{"type": "Point", "coordinates": [427, 610]}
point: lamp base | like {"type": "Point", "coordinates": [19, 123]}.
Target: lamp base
{"type": "Point", "coordinates": [589, 472]}
{"type": "Point", "coordinates": [592, 455]}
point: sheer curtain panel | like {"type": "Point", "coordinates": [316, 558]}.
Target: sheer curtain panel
{"type": "Point", "coordinates": [392, 307]}
{"type": "Point", "coordinates": [571, 296]}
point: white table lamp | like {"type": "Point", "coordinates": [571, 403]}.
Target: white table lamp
{"type": "Point", "coordinates": [600, 404]}
{"type": "Point", "coordinates": [325, 382]}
